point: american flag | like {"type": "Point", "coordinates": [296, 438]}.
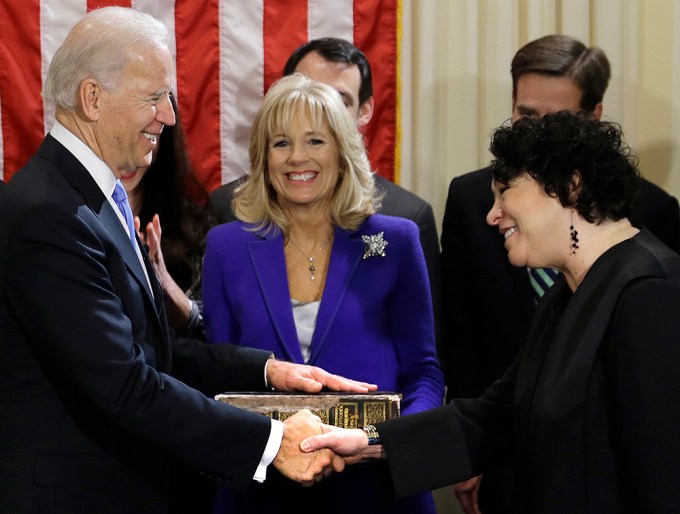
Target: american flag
{"type": "Point", "coordinates": [227, 52]}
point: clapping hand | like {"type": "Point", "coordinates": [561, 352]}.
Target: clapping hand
{"type": "Point", "coordinates": [176, 302]}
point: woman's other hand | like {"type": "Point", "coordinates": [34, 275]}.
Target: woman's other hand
{"type": "Point", "coordinates": [176, 301]}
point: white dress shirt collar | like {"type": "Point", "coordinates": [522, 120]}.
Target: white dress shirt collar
{"type": "Point", "coordinates": [97, 168]}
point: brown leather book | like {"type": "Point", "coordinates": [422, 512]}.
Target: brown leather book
{"type": "Point", "coordinates": [339, 409]}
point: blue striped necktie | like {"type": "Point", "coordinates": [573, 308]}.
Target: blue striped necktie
{"type": "Point", "coordinates": [541, 280]}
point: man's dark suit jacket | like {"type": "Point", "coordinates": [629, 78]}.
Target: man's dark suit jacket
{"type": "Point", "coordinates": [396, 201]}
{"type": "Point", "coordinates": [93, 409]}
{"type": "Point", "coordinates": [488, 303]}
{"type": "Point", "coordinates": [588, 411]}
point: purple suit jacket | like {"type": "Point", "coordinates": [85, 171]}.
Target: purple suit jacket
{"type": "Point", "coordinates": [375, 320]}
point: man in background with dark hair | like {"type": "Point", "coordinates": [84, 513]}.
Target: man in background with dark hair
{"type": "Point", "coordinates": [343, 66]}
{"type": "Point", "coordinates": [488, 303]}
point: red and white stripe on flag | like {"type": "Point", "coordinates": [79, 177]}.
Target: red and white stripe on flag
{"type": "Point", "coordinates": [228, 52]}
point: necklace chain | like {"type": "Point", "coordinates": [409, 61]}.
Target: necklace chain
{"type": "Point", "coordinates": [310, 259]}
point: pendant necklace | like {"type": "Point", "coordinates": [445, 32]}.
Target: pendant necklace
{"type": "Point", "coordinates": [310, 259]}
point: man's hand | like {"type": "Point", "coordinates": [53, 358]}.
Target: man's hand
{"type": "Point", "coordinates": [305, 468]}
{"type": "Point", "coordinates": [351, 444]}
{"type": "Point", "coordinates": [287, 376]}
{"type": "Point", "coordinates": [467, 492]}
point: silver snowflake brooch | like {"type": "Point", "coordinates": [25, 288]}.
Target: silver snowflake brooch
{"type": "Point", "coordinates": [375, 245]}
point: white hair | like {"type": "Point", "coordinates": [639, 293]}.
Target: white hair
{"type": "Point", "coordinates": [98, 47]}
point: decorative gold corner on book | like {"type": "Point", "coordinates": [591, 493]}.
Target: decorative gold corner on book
{"type": "Point", "coordinates": [339, 409]}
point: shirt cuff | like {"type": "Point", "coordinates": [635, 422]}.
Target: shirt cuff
{"type": "Point", "coordinates": [266, 382]}
{"type": "Point", "coordinates": [270, 450]}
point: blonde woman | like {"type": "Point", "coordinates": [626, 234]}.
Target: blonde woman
{"type": "Point", "coordinates": [312, 274]}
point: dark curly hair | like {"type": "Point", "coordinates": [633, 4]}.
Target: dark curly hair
{"type": "Point", "coordinates": [553, 148]}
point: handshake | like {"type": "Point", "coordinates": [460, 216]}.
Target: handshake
{"type": "Point", "coordinates": [311, 450]}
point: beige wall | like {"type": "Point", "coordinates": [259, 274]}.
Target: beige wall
{"type": "Point", "coordinates": [456, 84]}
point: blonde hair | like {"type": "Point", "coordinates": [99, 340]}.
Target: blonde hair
{"type": "Point", "coordinates": [355, 195]}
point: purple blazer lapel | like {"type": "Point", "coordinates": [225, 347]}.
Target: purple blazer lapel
{"type": "Point", "coordinates": [270, 268]}
{"type": "Point", "coordinates": [348, 249]}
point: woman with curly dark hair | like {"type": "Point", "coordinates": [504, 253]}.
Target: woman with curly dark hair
{"type": "Point", "coordinates": [588, 413]}
{"type": "Point", "coordinates": [574, 167]}
{"type": "Point", "coordinates": [169, 191]}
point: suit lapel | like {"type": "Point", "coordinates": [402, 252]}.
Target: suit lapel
{"type": "Point", "coordinates": [110, 220]}
{"type": "Point", "coordinates": [346, 255]}
{"type": "Point", "coordinates": [81, 180]}
{"type": "Point", "coordinates": [156, 286]}
{"type": "Point", "coordinates": [164, 353]}
{"type": "Point", "coordinates": [270, 268]}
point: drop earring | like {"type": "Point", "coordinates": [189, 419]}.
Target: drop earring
{"type": "Point", "coordinates": [573, 233]}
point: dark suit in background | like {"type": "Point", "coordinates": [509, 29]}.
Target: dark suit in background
{"type": "Point", "coordinates": [94, 415]}
{"type": "Point", "coordinates": [221, 198]}
{"type": "Point", "coordinates": [397, 201]}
